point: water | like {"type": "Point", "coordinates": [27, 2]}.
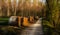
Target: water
{"type": "Point", "coordinates": [35, 29]}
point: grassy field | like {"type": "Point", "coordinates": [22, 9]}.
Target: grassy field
{"type": "Point", "coordinates": [6, 18]}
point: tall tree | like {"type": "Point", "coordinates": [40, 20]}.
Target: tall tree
{"type": "Point", "coordinates": [53, 11]}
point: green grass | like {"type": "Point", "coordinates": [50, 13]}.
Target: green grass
{"type": "Point", "coordinates": [4, 19]}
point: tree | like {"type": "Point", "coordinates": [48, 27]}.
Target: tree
{"type": "Point", "coordinates": [53, 13]}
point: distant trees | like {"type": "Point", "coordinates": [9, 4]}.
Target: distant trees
{"type": "Point", "coordinates": [23, 8]}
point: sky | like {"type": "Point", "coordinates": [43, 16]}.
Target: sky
{"type": "Point", "coordinates": [43, 1]}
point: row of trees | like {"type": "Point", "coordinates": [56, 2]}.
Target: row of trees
{"type": "Point", "coordinates": [20, 7]}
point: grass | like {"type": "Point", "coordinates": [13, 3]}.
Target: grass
{"type": "Point", "coordinates": [4, 19]}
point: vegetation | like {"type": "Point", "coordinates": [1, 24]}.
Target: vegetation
{"type": "Point", "coordinates": [50, 15]}
{"type": "Point", "coordinates": [52, 20]}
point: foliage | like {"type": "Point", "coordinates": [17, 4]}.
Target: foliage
{"type": "Point", "coordinates": [49, 28]}
{"type": "Point", "coordinates": [9, 30]}
{"type": "Point", "coordinates": [53, 17]}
